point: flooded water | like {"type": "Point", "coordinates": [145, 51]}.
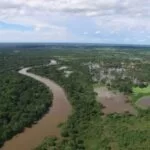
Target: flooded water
{"type": "Point", "coordinates": [144, 102]}
{"type": "Point", "coordinates": [113, 102]}
{"type": "Point", "coordinates": [48, 125]}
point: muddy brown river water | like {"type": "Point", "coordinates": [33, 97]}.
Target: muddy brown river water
{"type": "Point", "coordinates": [48, 125]}
{"type": "Point", "coordinates": [113, 102]}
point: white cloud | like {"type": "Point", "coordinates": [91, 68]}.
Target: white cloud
{"type": "Point", "coordinates": [84, 7]}
{"type": "Point", "coordinates": [85, 33]}
{"type": "Point", "coordinates": [115, 16]}
{"type": "Point", "coordinates": [123, 23]}
{"type": "Point", "coordinates": [40, 34]}
{"type": "Point", "coordinates": [98, 32]}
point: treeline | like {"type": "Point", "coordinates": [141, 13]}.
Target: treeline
{"type": "Point", "coordinates": [23, 101]}
{"type": "Point", "coordinates": [123, 85]}
{"type": "Point", "coordinates": [11, 61]}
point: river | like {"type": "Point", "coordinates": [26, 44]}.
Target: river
{"type": "Point", "coordinates": [48, 125]}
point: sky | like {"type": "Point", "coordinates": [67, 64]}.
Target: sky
{"type": "Point", "coordinates": [92, 21]}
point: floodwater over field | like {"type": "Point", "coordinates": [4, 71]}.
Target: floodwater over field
{"type": "Point", "coordinates": [48, 125]}
{"type": "Point", "coordinates": [144, 102]}
{"type": "Point", "coordinates": [113, 102]}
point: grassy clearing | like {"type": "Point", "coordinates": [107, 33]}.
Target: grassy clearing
{"type": "Point", "coordinates": [135, 98]}
{"type": "Point", "coordinates": [138, 90]}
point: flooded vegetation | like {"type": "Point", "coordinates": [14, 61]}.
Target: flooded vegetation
{"type": "Point", "coordinates": [144, 102]}
{"type": "Point", "coordinates": [114, 102]}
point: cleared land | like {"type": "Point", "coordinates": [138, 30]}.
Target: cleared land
{"type": "Point", "coordinates": [113, 102]}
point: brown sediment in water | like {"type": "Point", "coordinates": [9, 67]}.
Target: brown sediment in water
{"type": "Point", "coordinates": [113, 102]}
{"type": "Point", "coordinates": [144, 102]}
{"type": "Point", "coordinates": [48, 125]}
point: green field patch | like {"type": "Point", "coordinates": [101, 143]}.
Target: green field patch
{"type": "Point", "coordinates": [138, 90]}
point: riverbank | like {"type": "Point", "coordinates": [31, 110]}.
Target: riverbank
{"type": "Point", "coordinates": [143, 102]}
{"type": "Point", "coordinates": [48, 125]}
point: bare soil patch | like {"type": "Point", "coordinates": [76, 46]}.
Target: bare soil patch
{"type": "Point", "coordinates": [113, 102]}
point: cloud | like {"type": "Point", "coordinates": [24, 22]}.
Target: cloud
{"type": "Point", "coordinates": [98, 32]}
{"type": "Point", "coordinates": [34, 36]}
{"type": "Point", "coordinates": [86, 7]}
{"type": "Point", "coordinates": [85, 33]}
{"type": "Point", "coordinates": [112, 17]}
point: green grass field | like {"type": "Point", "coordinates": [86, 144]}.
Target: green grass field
{"type": "Point", "coordinates": [138, 90]}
